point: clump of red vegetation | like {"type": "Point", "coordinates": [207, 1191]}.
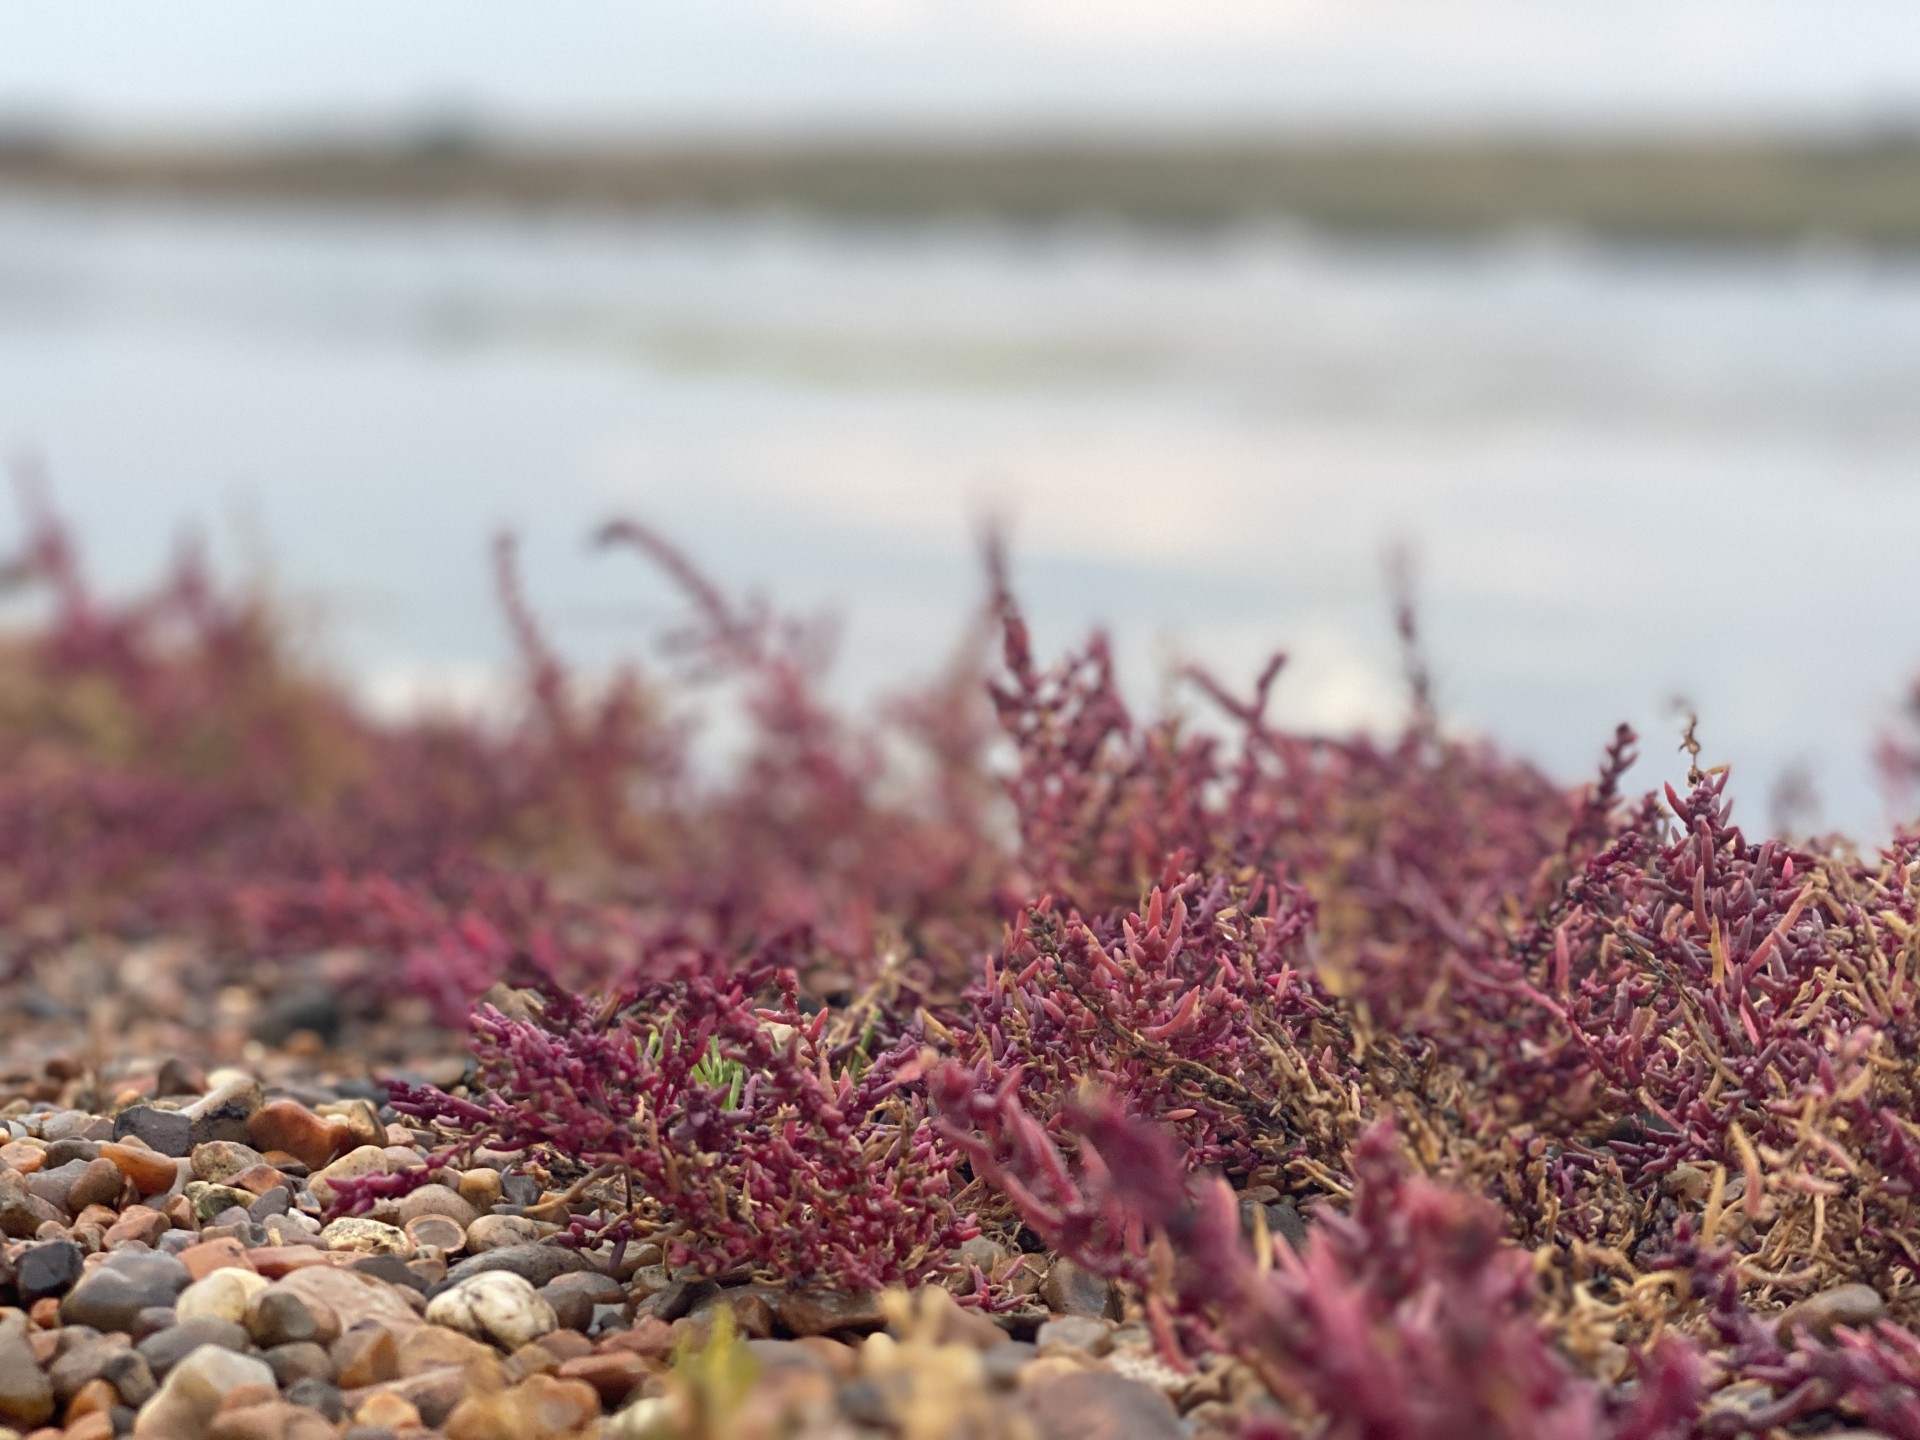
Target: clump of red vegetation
{"type": "Point", "coordinates": [1587, 1089]}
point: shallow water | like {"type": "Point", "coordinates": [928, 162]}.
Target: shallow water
{"type": "Point", "coordinates": [1628, 475]}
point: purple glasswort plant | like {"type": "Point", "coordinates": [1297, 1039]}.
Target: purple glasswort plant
{"type": "Point", "coordinates": [734, 1134]}
{"type": "Point", "coordinates": [1197, 1012]}
{"type": "Point", "coordinates": [1406, 1318]}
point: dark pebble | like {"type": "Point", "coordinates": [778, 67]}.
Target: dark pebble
{"type": "Point", "coordinates": [318, 1395]}
{"type": "Point", "coordinates": [71, 1148]}
{"type": "Point", "coordinates": [314, 1010]}
{"type": "Point", "coordinates": [168, 1348]}
{"type": "Point", "coordinates": [536, 1263]}
{"type": "Point", "coordinates": [110, 1297]}
{"type": "Point", "coordinates": [167, 1131]}
{"type": "Point", "coordinates": [49, 1268]}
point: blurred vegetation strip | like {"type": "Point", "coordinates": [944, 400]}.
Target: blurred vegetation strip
{"type": "Point", "coordinates": [1727, 191]}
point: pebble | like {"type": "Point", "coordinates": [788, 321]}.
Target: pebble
{"type": "Point", "coordinates": [186, 1404]}
{"type": "Point", "coordinates": [289, 1127]}
{"type": "Point", "coordinates": [26, 1394]}
{"type": "Point", "coordinates": [149, 1170]}
{"type": "Point", "coordinates": [107, 1298]}
{"type": "Point", "coordinates": [498, 1306]}
{"type": "Point", "coordinates": [221, 1160]}
{"type": "Point", "coordinates": [367, 1237]}
{"type": "Point", "coordinates": [364, 1356]}
{"type": "Point", "coordinates": [223, 1112]}
{"type": "Point", "coordinates": [436, 1200]}
{"type": "Point", "coordinates": [820, 1312]}
{"type": "Point", "coordinates": [480, 1189]}
{"type": "Point", "coordinates": [49, 1268]}
{"type": "Point", "coordinates": [167, 1348]}
{"type": "Point", "coordinates": [277, 1315]}
{"type": "Point", "coordinates": [536, 1264]}
{"type": "Point", "coordinates": [166, 1132]}
{"type": "Point", "coordinates": [1071, 1289]}
{"type": "Point", "coordinates": [543, 1407]}
{"type": "Point", "coordinates": [1095, 1405]}
{"type": "Point", "coordinates": [1849, 1305]}
{"type": "Point", "coordinates": [366, 1160]}
{"type": "Point", "coordinates": [224, 1294]}
{"type": "Point", "coordinates": [497, 1232]}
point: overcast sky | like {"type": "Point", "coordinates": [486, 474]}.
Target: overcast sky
{"type": "Point", "coordinates": [969, 64]}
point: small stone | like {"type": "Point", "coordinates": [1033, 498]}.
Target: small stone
{"type": "Point", "coordinates": [751, 1310]}
{"type": "Point", "coordinates": [109, 1297]}
{"type": "Point", "coordinates": [367, 1237]}
{"type": "Point", "coordinates": [367, 1160]}
{"type": "Point", "coordinates": [543, 1407]}
{"type": "Point", "coordinates": [166, 1132]}
{"type": "Point", "coordinates": [497, 1305]}
{"type": "Point", "coordinates": [150, 1171]}
{"type": "Point", "coordinates": [53, 1183]}
{"type": "Point", "coordinates": [574, 1297]}
{"type": "Point", "coordinates": [364, 1356]}
{"type": "Point", "coordinates": [1071, 1289]}
{"type": "Point", "coordinates": [820, 1312]}
{"type": "Point", "coordinates": [433, 1347]}
{"type": "Point", "coordinates": [151, 1321]}
{"type": "Point", "coordinates": [613, 1375]}
{"type": "Point", "coordinates": [276, 1201]}
{"type": "Point", "coordinates": [178, 1077]}
{"type": "Point", "coordinates": [321, 1396]}
{"type": "Point", "coordinates": [1094, 1405]}
{"type": "Point", "coordinates": [219, 1161]}
{"type": "Point", "coordinates": [441, 1200]}
{"type": "Point", "coordinates": [92, 1398]}
{"type": "Point", "coordinates": [1003, 1364]}
{"type": "Point", "coordinates": [167, 1348]}
{"type": "Point", "coordinates": [273, 1420]}
{"type": "Point", "coordinates": [1851, 1305]}
{"type": "Point", "coordinates": [26, 1394]}
{"type": "Point", "coordinates": [498, 1232]}
{"type": "Point", "coordinates": [536, 1264]}
{"type": "Point", "coordinates": [480, 1189]}
{"type": "Point", "coordinates": [288, 1126]}
{"type": "Point", "coordinates": [130, 1375]}
{"type": "Point", "coordinates": [284, 1015]}
{"type": "Point", "coordinates": [100, 1183]}
{"type": "Point", "coordinates": [353, 1299]}
{"type": "Point", "coordinates": [297, 1361]}
{"type": "Point", "coordinates": [225, 1293]}
{"type": "Point", "coordinates": [186, 1404]}
{"type": "Point", "coordinates": [50, 1268]}
{"type": "Point", "coordinates": [210, 1255]}
{"type": "Point", "coordinates": [394, 1412]}
{"type": "Point", "coordinates": [79, 1363]}
{"type": "Point", "coordinates": [1075, 1332]}
{"type": "Point", "coordinates": [211, 1201]}
{"type": "Point", "coordinates": [222, 1113]}
{"type": "Point", "coordinates": [278, 1316]}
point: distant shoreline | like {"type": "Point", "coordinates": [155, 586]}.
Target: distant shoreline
{"type": "Point", "coordinates": [1710, 193]}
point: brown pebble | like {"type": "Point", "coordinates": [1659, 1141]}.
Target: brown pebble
{"type": "Point", "coordinates": [150, 1173]}
{"type": "Point", "coordinates": [99, 1184]}
{"type": "Point", "coordinates": [96, 1394]}
{"type": "Point", "coordinates": [613, 1375]}
{"type": "Point", "coordinates": [1849, 1305]}
{"type": "Point", "coordinates": [365, 1356]}
{"type": "Point", "coordinates": [137, 1223]}
{"type": "Point", "coordinates": [288, 1126]}
{"type": "Point", "coordinates": [210, 1255]}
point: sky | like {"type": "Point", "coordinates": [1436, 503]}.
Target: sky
{"type": "Point", "coordinates": [945, 65]}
